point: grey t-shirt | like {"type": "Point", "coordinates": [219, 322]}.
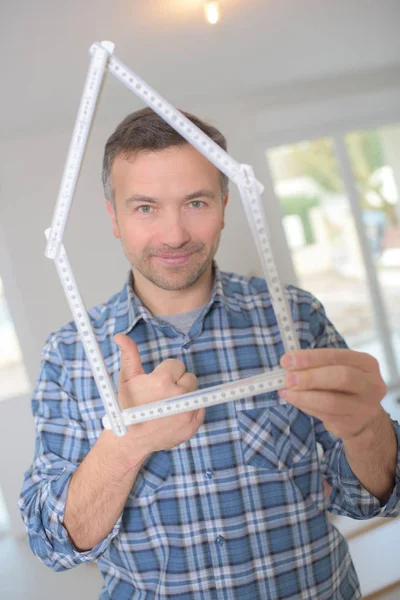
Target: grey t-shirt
{"type": "Point", "coordinates": [183, 321]}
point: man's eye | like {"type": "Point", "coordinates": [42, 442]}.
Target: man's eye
{"type": "Point", "coordinates": [196, 203]}
{"type": "Point", "coordinates": [145, 208]}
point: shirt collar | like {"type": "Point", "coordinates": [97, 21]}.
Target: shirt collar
{"type": "Point", "coordinates": [130, 309]}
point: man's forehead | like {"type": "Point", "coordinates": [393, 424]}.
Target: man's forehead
{"type": "Point", "coordinates": [181, 158]}
{"type": "Point", "coordinates": [133, 155]}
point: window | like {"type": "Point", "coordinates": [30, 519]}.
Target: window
{"type": "Point", "coordinates": [375, 163]}
{"type": "Point", "coordinates": [345, 247]}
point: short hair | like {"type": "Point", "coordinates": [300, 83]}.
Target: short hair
{"type": "Point", "coordinates": [144, 130]}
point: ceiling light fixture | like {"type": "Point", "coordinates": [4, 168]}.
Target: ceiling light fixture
{"type": "Point", "coordinates": [212, 11]}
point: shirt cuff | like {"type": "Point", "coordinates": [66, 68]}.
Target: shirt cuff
{"type": "Point", "coordinates": [57, 534]}
{"type": "Point", "coordinates": [359, 501]}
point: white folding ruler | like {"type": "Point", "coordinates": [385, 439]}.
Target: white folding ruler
{"type": "Point", "coordinates": [249, 188]}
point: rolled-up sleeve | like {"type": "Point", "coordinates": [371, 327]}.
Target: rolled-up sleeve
{"type": "Point", "coordinates": [348, 497]}
{"type": "Point", "coordinates": [60, 446]}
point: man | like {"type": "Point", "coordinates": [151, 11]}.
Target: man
{"type": "Point", "coordinates": [224, 504]}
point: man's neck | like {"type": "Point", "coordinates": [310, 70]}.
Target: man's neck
{"type": "Point", "coordinates": [162, 302]}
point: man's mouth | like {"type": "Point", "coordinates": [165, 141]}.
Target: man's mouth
{"type": "Point", "coordinates": [173, 259]}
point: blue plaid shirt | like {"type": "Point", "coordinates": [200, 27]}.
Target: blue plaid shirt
{"type": "Point", "coordinates": [238, 511]}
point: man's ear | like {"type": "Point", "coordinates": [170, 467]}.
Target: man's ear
{"type": "Point", "coordinates": [225, 202]}
{"type": "Point", "coordinates": [113, 217]}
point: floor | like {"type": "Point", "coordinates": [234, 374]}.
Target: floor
{"type": "Point", "coordinates": [375, 555]}
{"type": "Point", "coordinates": [393, 594]}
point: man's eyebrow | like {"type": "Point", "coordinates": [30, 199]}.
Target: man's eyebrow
{"type": "Point", "coordinates": [201, 194]}
{"type": "Point", "coordinates": [140, 198]}
{"type": "Point", "coordinates": [150, 200]}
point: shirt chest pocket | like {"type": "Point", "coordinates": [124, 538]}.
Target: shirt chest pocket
{"type": "Point", "coordinates": [274, 436]}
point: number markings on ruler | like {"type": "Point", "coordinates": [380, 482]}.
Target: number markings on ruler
{"type": "Point", "coordinates": [94, 79]}
{"type": "Point", "coordinates": [92, 349]}
{"type": "Point", "coordinates": [259, 227]}
{"type": "Point", "coordinates": [195, 136]}
{"type": "Point", "coordinates": [220, 394]}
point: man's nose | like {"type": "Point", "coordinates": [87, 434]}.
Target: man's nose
{"type": "Point", "coordinates": [175, 232]}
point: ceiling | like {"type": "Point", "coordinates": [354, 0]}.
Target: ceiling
{"type": "Point", "coordinates": [259, 44]}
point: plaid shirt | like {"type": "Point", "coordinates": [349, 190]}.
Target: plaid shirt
{"type": "Point", "coordinates": [238, 511]}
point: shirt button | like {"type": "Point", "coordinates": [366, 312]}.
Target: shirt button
{"type": "Point", "coordinates": [220, 540]}
{"type": "Point", "coordinates": [209, 474]}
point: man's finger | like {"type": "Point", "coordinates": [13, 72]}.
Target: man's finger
{"type": "Point", "coordinates": [199, 415]}
{"type": "Point", "coordinates": [319, 357]}
{"type": "Point", "coordinates": [172, 368]}
{"type": "Point", "coordinates": [188, 382]}
{"type": "Point", "coordinates": [131, 364]}
{"type": "Point", "coordinates": [322, 405]}
{"type": "Point", "coordinates": [338, 378]}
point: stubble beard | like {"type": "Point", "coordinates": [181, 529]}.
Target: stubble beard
{"type": "Point", "coordinates": [175, 278]}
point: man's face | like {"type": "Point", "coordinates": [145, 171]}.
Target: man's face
{"type": "Point", "coordinates": [169, 214]}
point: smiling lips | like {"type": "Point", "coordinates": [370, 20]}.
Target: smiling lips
{"type": "Point", "coordinates": [173, 260]}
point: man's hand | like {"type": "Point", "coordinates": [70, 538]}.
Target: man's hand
{"type": "Point", "coordinates": [167, 380]}
{"type": "Point", "coordinates": [343, 388]}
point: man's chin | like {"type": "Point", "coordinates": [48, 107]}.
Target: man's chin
{"type": "Point", "coordinates": [174, 284]}
{"type": "Point", "coordinates": [175, 278]}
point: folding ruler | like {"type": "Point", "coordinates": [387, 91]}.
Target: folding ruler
{"type": "Point", "coordinates": [242, 175]}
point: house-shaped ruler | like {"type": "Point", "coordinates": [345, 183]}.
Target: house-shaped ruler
{"type": "Point", "coordinates": [102, 59]}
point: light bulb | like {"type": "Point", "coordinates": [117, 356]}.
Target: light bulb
{"type": "Point", "coordinates": [212, 11]}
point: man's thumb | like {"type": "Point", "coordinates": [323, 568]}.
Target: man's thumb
{"type": "Point", "coordinates": [131, 364]}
